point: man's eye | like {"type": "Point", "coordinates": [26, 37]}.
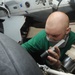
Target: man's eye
{"type": "Point", "coordinates": [55, 35]}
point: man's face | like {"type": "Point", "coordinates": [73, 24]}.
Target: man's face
{"type": "Point", "coordinates": [55, 35]}
{"type": "Point", "coordinates": [57, 26]}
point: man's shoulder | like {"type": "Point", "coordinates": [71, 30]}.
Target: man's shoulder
{"type": "Point", "coordinates": [72, 34]}
{"type": "Point", "coordinates": [41, 34]}
{"type": "Point", "coordinates": [38, 38]}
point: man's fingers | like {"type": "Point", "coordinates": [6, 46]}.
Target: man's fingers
{"type": "Point", "coordinates": [52, 60]}
{"type": "Point", "coordinates": [57, 50]}
{"type": "Point", "coordinates": [53, 54]}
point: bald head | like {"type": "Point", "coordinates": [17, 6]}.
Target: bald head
{"type": "Point", "coordinates": [57, 23]}
{"type": "Point", "coordinates": [58, 19]}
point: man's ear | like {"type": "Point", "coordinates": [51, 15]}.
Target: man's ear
{"type": "Point", "coordinates": [68, 30]}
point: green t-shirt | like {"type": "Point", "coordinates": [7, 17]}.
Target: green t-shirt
{"type": "Point", "coordinates": [39, 43]}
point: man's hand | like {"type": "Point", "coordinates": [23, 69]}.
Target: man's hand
{"type": "Point", "coordinates": [54, 57]}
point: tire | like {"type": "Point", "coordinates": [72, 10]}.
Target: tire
{"type": "Point", "coordinates": [14, 60]}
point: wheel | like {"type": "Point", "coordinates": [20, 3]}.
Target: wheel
{"type": "Point", "coordinates": [14, 60]}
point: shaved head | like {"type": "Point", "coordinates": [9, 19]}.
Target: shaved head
{"type": "Point", "coordinates": [57, 19]}
{"type": "Point", "coordinates": [57, 23]}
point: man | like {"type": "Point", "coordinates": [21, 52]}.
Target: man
{"type": "Point", "coordinates": [56, 29]}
